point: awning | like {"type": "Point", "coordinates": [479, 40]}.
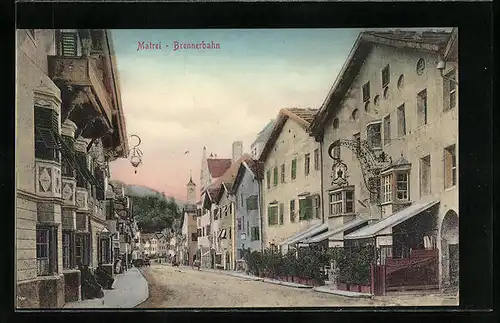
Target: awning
{"type": "Point", "coordinates": [372, 230]}
{"type": "Point", "coordinates": [346, 226]}
{"type": "Point", "coordinates": [309, 232]}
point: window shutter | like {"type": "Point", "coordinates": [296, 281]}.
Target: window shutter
{"type": "Point", "coordinates": [282, 213]}
{"type": "Point", "coordinates": [68, 44]}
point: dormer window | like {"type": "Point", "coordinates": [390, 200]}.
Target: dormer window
{"type": "Point", "coordinates": [396, 182]}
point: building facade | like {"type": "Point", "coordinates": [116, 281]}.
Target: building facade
{"type": "Point", "coordinates": [247, 205]}
{"type": "Point", "coordinates": [70, 125]}
{"type": "Point", "coordinates": [290, 193]}
{"type": "Point", "coordinates": [389, 134]}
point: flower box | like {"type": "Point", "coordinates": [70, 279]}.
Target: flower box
{"type": "Point", "coordinates": [354, 288]}
{"type": "Point", "coordinates": [365, 289]}
{"type": "Point", "coordinates": [342, 286]}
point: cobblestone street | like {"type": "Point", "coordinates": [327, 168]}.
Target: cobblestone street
{"type": "Point", "coordinates": [174, 287]}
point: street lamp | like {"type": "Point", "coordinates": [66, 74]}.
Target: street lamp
{"type": "Point", "coordinates": [136, 154]}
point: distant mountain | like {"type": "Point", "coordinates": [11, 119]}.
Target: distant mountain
{"type": "Point", "coordinates": [142, 191]}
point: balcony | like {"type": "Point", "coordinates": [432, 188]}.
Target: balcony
{"type": "Point", "coordinates": [86, 89]}
{"type": "Point", "coordinates": [82, 199]}
{"type": "Point", "coordinates": [48, 179]}
{"type": "Point", "coordinates": [68, 191]}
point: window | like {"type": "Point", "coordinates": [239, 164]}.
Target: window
{"type": "Point", "coordinates": [292, 211]}
{"type": "Point", "coordinates": [194, 236]}
{"type": "Point", "coordinates": [104, 251]}
{"type": "Point", "coordinates": [387, 129]}
{"type": "Point", "coordinates": [357, 139]}
{"type": "Point", "coordinates": [272, 214]}
{"type": "Point", "coordinates": [422, 107]}
{"type": "Point", "coordinates": [386, 77]}
{"type": "Point", "coordinates": [401, 81]}
{"type": "Point", "coordinates": [68, 44]}
{"type": "Point", "coordinates": [450, 167]}
{"type": "Point", "coordinates": [401, 121]}
{"type": "Point", "coordinates": [82, 249]}
{"type": "Point", "coordinates": [336, 124]}
{"type": "Point", "coordinates": [68, 253]}
{"type": "Point", "coordinates": [355, 115]}
{"type": "Point", "coordinates": [46, 134]}
{"type": "Point", "coordinates": [275, 176]}
{"type": "Point", "coordinates": [268, 179]}
{"type": "Point", "coordinates": [294, 168]}
{"type": "Point", "coordinates": [366, 92]}
{"type": "Point", "coordinates": [450, 89]}
{"type": "Point", "coordinates": [402, 186]}
{"type": "Point", "coordinates": [374, 185]}
{"type": "Point", "coordinates": [305, 208]}
{"type": "Point", "coordinates": [46, 250]}
{"type": "Point", "coordinates": [248, 228]}
{"type": "Point", "coordinates": [203, 231]}
{"type": "Point", "coordinates": [336, 152]}
{"type": "Point", "coordinates": [282, 213]}
{"type": "Point", "coordinates": [342, 201]}
{"type": "Point", "coordinates": [252, 203]}
{"type": "Point", "coordinates": [316, 207]}
{"type": "Point", "coordinates": [316, 159]}
{"type": "Point", "coordinates": [374, 135]}
{"type": "Point", "coordinates": [238, 224]}
{"type": "Point", "coordinates": [420, 66]}
{"type": "Point", "coordinates": [282, 173]}
{"type": "Point", "coordinates": [387, 188]}
{"type": "Point", "coordinates": [425, 175]}
{"type": "Point", "coordinates": [307, 161]}
{"type": "Point", "coordinates": [255, 234]}
{"type": "Point", "coordinates": [242, 200]}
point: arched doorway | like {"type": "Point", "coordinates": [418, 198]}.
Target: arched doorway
{"type": "Point", "coordinates": [449, 251]}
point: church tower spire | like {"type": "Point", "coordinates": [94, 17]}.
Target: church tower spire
{"type": "Point", "coordinates": [191, 189]}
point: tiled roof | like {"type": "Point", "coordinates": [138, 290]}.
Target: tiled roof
{"type": "Point", "coordinates": [304, 114]}
{"type": "Point", "coordinates": [256, 167]}
{"type": "Point", "coordinates": [265, 132]}
{"type": "Point", "coordinates": [213, 192]}
{"type": "Point", "coordinates": [217, 166]}
{"type": "Point", "coordinates": [427, 41]}
{"type": "Point", "coordinates": [439, 38]}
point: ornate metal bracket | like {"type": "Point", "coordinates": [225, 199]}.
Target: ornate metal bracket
{"type": "Point", "coordinates": [371, 163]}
{"type": "Point", "coordinates": [136, 154]}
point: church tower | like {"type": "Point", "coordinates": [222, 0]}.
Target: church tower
{"type": "Point", "coordinates": [191, 190]}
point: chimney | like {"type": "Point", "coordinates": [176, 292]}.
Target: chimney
{"type": "Point", "coordinates": [237, 150]}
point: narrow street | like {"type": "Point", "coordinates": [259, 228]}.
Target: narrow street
{"type": "Point", "coordinates": [172, 287]}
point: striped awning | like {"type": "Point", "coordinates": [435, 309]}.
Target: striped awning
{"type": "Point", "coordinates": [374, 229]}
{"type": "Point", "coordinates": [346, 226]}
{"type": "Point", "coordinates": [309, 232]}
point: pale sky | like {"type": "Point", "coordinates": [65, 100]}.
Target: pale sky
{"type": "Point", "coordinates": [179, 101]}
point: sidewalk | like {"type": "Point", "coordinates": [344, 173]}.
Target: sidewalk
{"type": "Point", "coordinates": [129, 290]}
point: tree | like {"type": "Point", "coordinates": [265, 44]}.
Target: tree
{"type": "Point", "coordinates": [155, 213]}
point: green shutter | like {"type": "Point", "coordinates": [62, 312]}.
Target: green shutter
{"type": "Point", "coordinates": [282, 213]}
{"type": "Point", "coordinates": [275, 177]}
{"type": "Point", "coordinates": [302, 210]}
{"type": "Point", "coordinates": [68, 44]}
{"type": "Point", "coordinates": [268, 178]}
{"type": "Point", "coordinates": [294, 168]}
{"type": "Point", "coordinates": [308, 208]}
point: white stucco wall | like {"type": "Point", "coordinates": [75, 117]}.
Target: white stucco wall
{"type": "Point", "coordinates": [440, 131]}
{"type": "Point", "coordinates": [292, 142]}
